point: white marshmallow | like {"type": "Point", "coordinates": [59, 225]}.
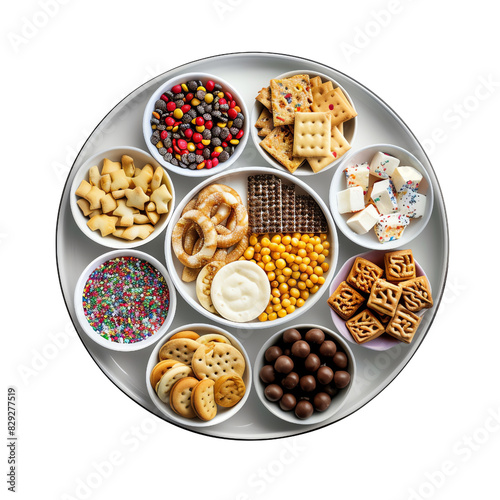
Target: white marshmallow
{"type": "Point", "coordinates": [362, 222]}
{"type": "Point", "coordinates": [382, 165]}
{"type": "Point", "coordinates": [384, 197]}
{"type": "Point", "coordinates": [358, 175]}
{"type": "Point", "coordinates": [406, 178]}
{"type": "Point", "coordinates": [412, 204]}
{"type": "Point", "coordinates": [391, 227]}
{"type": "Point", "coordinates": [351, 200]}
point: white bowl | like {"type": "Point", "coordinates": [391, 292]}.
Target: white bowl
{"type": "Point", "coordinates": [238, 180]}
{"type": "Point", "coordinates": [385, 341]}
{"type": "Point", "coordinates": [141, 158]}
{"type": "Point", "coordinates": [350, 127]}
{"type": "Point", "coordinates": [80, 314]}
{"type": "Point", "coordinates": [146, 125]}
{"type": "Point", "coordinates": [369, 239]}
{"type": "Point", "coordinates": [337, 401]}
{"type": "Point", "coordinates": [222, 413]}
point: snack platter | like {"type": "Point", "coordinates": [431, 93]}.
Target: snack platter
{"type": "Point", "coordinates": [376, 123]}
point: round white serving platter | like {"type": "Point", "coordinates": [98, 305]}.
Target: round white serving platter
{"type": "Point", "coordinates": [377, 123]}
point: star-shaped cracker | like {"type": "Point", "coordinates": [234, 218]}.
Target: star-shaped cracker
{"type": "Point", "coordinates": [119, 180]}
{"type": "Point", "coordinates": [125, 213]}
{"type": "Point", "coordinates": [144, 178]}
{"type": "Point", "coordinates": [160, 197]}
{"type": "Point", "coordinates": [104, 223]}
{"type": "Point", "coordinates": [136, 198]}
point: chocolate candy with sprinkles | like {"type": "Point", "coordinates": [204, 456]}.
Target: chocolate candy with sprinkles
{"type": "Point", "coordinates": [126, 300]}
{"type": "Point", "coordinates": [194, 113]}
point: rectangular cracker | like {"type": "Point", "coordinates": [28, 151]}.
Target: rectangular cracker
{"type": "Point", "coordinates": [312, 132]}
{"type": "Point", "coordinates": [330, 101]}
{"type": "Point", "coordinates": [264, 97]}
{"type": "Point", "coordinates": [315, 81]}
{"type": "Point", "coordinates": [288, 96]}
{"type": "Point", "coordinates": [279, 144]}
{"type": "Point", "coordinates": [264, 204]}
{"type": "Point", "coordinates": [264, 123]}
{"type": "Point", "coordinates": [338, 146]}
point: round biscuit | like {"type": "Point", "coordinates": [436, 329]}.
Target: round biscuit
{"type": "Point", "coordinates": [186, 334]}
{"type": "Point", "coordinates": [160, 369]}
{"type": "Point", "coordinates": [203, 401]}
{"type": "Point", "coordinates": [216, 359]}
{"type": "Point", "coordinates": [213, 337]}
{"type": "Point", "coordinates": [169, 379]}
{"type": "Point", "coordinates": [180, 349]}
{"type": "Point", "coordinates": [229, 390]}
{"type": "Point", "coordinates": [180, 397]}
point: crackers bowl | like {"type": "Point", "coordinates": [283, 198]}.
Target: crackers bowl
{"type": "Point", "coordinates": [385, 341]}
{"type": "Point", "coordinates": [350, 127]}
{"type": "Point", "coordinates": [141, 158]}
{"type": "Point", "coordinates": [150, 108]}
{"type": "Point", "coordinates": [94, 334]}
{"type": "Point", "coordinates": [237, 179]}
{"type": "Point", "coordinates": [222, 413]}
{"type": "Point", "coordinates": [369, 239]}
{"type": "Point", "coordinates": [337, 401]}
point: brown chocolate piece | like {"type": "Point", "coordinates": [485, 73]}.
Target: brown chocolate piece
{"type": "Point", "coordinates": [264, 204]}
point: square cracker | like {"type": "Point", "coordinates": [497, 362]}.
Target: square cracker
{"type": "Point", "coordinates": [333, 102]}
{"type": "Point", "coordinates": [264, 123]}
{"type": "Point", "coordinates": [279, 144]}
{"type": "Point", "coordinates": [264, 97]}
{"type": "Point", "coordinates": [288, 96]}
{"type": "Point", "coordinates": [312, 132]}
{"type": "Point", "coordinates": [315, 81]}
{"type": "Point", "coordinates": [338, 146]}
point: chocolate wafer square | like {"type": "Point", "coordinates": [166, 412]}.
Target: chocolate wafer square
{"type": "Point", "coordinates": [288, 208]}
{"type": "Point", "coordinates": [309, 217]}
{"type": "Point", "coordinates": [264, 204]}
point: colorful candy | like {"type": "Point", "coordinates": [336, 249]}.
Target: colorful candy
{"type": "Point", "coordinates": [126, 300]}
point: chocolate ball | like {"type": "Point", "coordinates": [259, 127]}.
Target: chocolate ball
{"type": "Point", "coordinates": [267, 374]}
{"type": "Point", "coordinates": [273, 353]}
{"type": "Point", "coordinates": [340, 360]}
{"type": "Point", "coordinates": [291, 380]}
{"type": "Point", "coordinates": [328, 348]}
{"type": "Point", "coordinates": [273, 392]}
{"type": "Point", "coordinates": [301, 349]}
{"type": "Point", "coordinates": [307, 383]}
{"type": "Point", "coordinates": [321, 401]}
{"type": "Point", "coordinates": [291, 335]}
{"type": "Point", "coordinates": [283, 364]}
{"type": "Point", "coordinates": [341, 379]}
{"type": "Point", "coordinates": [324, 374]}
{"type": "Point", "coordinates": [315, 336]}
{"type": "Point", "coordinates": [312, 362]}
{"type": "Point", "coordinates": [288, 402]}
{"type": "Point", "coordinates": [304, 409]}
{"type": "Point", "coordinates": [330, 389]}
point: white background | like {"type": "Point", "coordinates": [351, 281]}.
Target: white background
{"type": "Point", "coordinates": [433, 433]}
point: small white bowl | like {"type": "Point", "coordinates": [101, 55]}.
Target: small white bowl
{"type": "Point", "coordinates": [141, 158]}
{"type": "Point", "coordinates": [337, 401]}
{"type": "Point", "coordinates": [237, 179]}
{"type": "Point", "coordinates": [147, 131]}
{"type": "Point", "coordinates": [385, 341]}
{"type": "Point", "coordinates": [369, 239]}
{"type": "Point", "coordinates": [222, 413]}
{"type": "Point", "coordinates": [80, 314]}
{"type": "Point", "coordinates": [350, 127]}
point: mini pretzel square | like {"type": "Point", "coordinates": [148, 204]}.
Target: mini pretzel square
{"type": "Point", "coordinates": [312, 132]}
